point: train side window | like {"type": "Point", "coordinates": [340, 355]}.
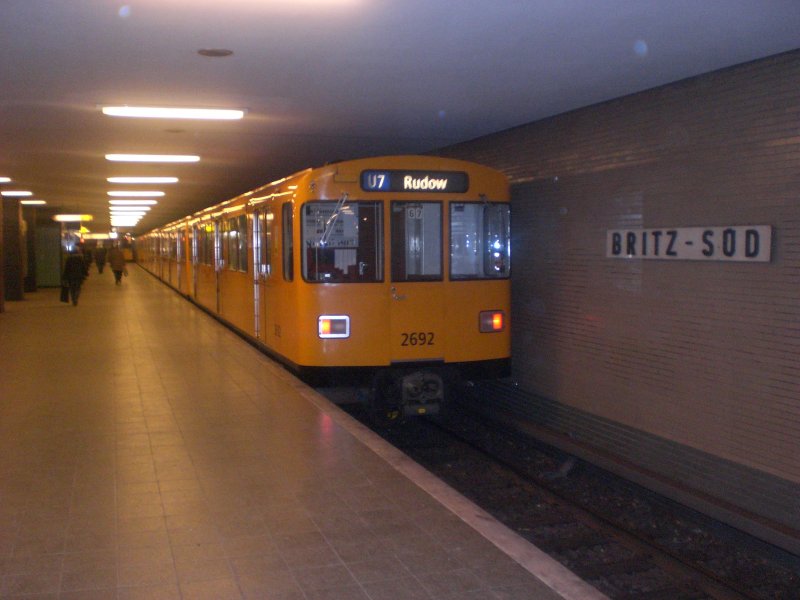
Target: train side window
{"type": "Point", "coordinates": [205, 245]}
{"type": "Point", "coordinates": [210, 256]}
{"type": "Point", "coordinates": [199, 241]}
{"type": "Point", "coordinates": [480, 240]}
{"type": "Point", "coordinates": [224, 234]}
{"type": "Point", "coordinates": [197, 250]}
{"type": "Point", "coordinates": [266, 234]}
{"type": "Point", "coordinates": [219, 257]}
{"type": "Point", "coordinates": [241, 227]}
{"type": "Point", "coordinates": [231, 245]}
{"type": "Point", "coordinates": [235, 234]}
{"type": "Point", "coordinates": [342, 242]}
{"type": "Point", "coordinates": [288, 244]}
{"type": "Point", "coordinates": [416, 241]}
{"type": "Point", "coordinates": [195, 245]}
{"type": "Point", "coordinates": [181, 244]}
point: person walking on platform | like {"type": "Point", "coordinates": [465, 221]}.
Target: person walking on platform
{"type": "Point", "coordinates": [117, 261]}
{"type": "Point", "coordinates": [100, 257]}
{"type": "Point", "coordinates": [74, 274]}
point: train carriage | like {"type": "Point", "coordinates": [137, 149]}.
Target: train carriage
{"type": "Point", "coordinates": [395, 266]}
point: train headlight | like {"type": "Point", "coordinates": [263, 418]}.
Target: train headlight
{"type": "Point", "coordinates": [334, 326]}
{"type": "Point", "coordinates": [492, 321]}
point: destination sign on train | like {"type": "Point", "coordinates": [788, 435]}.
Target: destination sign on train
{"type": "Point", "coordinates": [415, 181]}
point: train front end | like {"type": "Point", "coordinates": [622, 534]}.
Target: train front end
{"type": "Point", "coordinates": [406, 263]}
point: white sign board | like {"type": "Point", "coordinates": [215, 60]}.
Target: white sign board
{"type": "Point", "coordinates": [741, 243]}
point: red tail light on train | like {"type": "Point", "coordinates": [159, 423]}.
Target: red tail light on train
{"type": "Point", "coordinates": [492, 321]}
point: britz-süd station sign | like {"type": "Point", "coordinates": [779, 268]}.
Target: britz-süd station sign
{"type": "Point", "coordinates": [740, 243]}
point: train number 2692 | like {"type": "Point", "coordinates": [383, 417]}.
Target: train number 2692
{"type": "Point", "coordinates": [417, 338]}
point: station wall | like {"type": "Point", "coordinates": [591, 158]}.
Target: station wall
{"type": "Point", "coordinates": [688, 368]}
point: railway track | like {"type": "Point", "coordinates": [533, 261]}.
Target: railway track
{"type": "Point", "coordinates": [629, 543]}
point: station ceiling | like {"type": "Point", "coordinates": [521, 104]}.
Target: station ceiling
{"type": "Point", "coordinates": [324, 80]}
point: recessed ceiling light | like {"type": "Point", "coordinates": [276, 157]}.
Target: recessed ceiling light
{"type": "Point", "coordinates": [215, 52]}
{"type": "Point", "coordinates": [142, 180]}
{"type": "Point", "coordinates": [152, 158]}
{"type": "Point", "coordinates": [5, 179]}
{"type": "Point", "coordinates": [72, 218]}
{"type": "Point", "coordinates": [166, 158]}
{"type": "Point", "coordinates": [136, 194]}
{"type": "Point", "coordinates": [155, 112]}
{"type": "Point", "coordinates": [124, 221]}
{"type": "Point", "coordinates": [33, 202]}
{"type": "Point", "coordinates": [16, 193]}
{"type": "Point", "coordinates": [132, 202]}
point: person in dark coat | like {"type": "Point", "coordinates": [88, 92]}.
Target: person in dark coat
{"type": "Point", "coordinates": [117, 261]}
{"type": "Point", "coordinates": [74, 274]}
{"type": "Point", "coordinates": [100, 257]}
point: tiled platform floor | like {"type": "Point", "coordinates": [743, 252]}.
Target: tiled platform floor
{"type": "Point", "coordinates": [147, 452]}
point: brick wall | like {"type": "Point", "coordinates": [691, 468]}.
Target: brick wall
{"type": "Point", "coordinates": [703, 355]}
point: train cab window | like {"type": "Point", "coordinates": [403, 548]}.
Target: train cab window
{"type": "Point", "coordinates": [342, 242]}
{"type": "Point", "coordinates": [480, 240]}
{"type": "Point", "coordinates": [288, 241]}
{"type": "Point", "coordinates": [416, 241]}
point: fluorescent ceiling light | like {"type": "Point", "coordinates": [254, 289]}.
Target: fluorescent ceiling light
{"type": "Point", "coordinates": [128, 210]}
{"type": "Point", "coordinates": [5, 179]}
{"type": "Point", "coordinates": [149, 112]}
{"type": "Point", "coordinates": [132, 202]}
{"type": "Point", "coordinates": [72, 218]}
{"type": "Point", "coordinates": [32, 202]}
{"type": "Point", "coordinates": [16, 194]}
{"type": "Point", "coordinates": [136, 194]}
{"type": "Point", "coordinates": [142, 180]}
{"type": "Point", "coordinates": [166, 158]}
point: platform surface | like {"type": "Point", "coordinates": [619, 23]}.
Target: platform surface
{"type": "Point", "coordinates": [148, 452]}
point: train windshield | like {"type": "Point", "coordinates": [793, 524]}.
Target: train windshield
{"type": "Point", "coordinates": [342, 242]}
{"type": "Point", "coordinates": [416, 241]}
{"type": "Point", "coordinates": [480, 240]}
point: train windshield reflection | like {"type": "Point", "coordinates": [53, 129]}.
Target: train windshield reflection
{"type": "Point", "coordinates": [480, 240]}
{"type": "Point", "coordinates": [342, 242]}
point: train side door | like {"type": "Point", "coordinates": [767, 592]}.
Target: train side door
{"type": "Point", "coordinates": [263, 232]}
{"type": "Point", "coordinates": [195, 259]}
{"type": "Point", "coordinates": [179, 241]}
{"type": "Point", "coordinates": [416, 304]}
{"type": "Point", "coordinates": [219, 262]}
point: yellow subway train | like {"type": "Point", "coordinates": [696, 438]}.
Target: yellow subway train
{"type": "Point", "coordinates": [396, 268]}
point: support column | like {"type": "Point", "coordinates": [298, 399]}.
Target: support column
{"type": "Point", "coordinates": [13, 254]}
{"type": "Point", "coordinates": [2, 260]}
{"type": "Point", "coordinates": [29, 249]}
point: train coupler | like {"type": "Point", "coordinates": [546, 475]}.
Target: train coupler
{"type": "Point", "coordinates": [422, 393]}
